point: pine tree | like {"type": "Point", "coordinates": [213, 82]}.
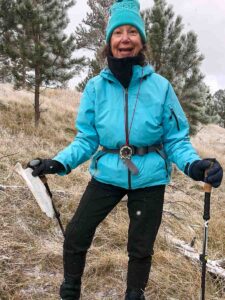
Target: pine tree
{"type": "Point", "coordinates": [219, 98]}
{"type": "Point", "coordinates": [7, 22]}
{"type": "Point", "coordinates": [94, 67]}
{"type": "Point", "coordinates": [211, 108]}
{"type": "Point", "coordinates": [175, 55]}
{"type": "Point", "coordinates": [90, 35]}
{"type": "Point", "coordinates": [40, 51]}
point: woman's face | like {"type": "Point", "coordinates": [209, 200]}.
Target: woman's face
{"type": "Point", "coordinates": [125, 41]}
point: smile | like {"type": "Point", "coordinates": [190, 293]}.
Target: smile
{"type": "Point", "coordinates": [125, 50]}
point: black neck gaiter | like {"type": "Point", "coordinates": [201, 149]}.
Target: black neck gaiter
{"type": "Point", "coordinates": [122, 68]}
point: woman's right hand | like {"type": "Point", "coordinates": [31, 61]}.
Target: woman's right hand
{"type": "Point", "coordinates": [45, 166]}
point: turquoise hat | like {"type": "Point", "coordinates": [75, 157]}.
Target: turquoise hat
{"type": "Point", "coordinates": [125, 12]}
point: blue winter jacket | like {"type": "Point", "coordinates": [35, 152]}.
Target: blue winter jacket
{"type": "Point", "coordinates": [158, 119]}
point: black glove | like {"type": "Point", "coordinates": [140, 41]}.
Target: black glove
{"type": "Point", "coordinates": [197, 170]}
{"type": "Point", "coordinates": [45, 166]}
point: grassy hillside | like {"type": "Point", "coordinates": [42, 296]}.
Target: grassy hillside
{"type": "Point", "coordinates": [31, 247]}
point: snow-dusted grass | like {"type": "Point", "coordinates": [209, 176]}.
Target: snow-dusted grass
{"type": "Point", "coordinates": [31, 244]}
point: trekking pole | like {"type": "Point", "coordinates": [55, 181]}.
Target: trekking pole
{"type": "Point", "coordinates": [43, 178]}
{"type": "Point", "coordinates": [57, 213]}
{"type": "Point", "coordinates": [206, 217]}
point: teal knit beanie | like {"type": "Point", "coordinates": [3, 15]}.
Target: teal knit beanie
{"type": "Point", "coordinates": [125, 12]}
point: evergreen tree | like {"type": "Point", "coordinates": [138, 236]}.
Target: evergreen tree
{"type": "Point", "coordinates": [7, 22]}
{"type": "Point", "coordinates": [219, 98]}
{"type": "Point", "coordinates": [211, 108]}
{"type": "Point", "coordinates": [90, 35]}
{"type": "Point", "coordinates": [175, 55]}
{"type": "Point", "coordinates": [94, 67]}
{"type": "Point", "coordinates": [5, 73]}
{"type": "Point", "coordinates": [40, 51]}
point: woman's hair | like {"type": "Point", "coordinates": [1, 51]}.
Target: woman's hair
{"type": "Point", "coordinates": [106, 51]}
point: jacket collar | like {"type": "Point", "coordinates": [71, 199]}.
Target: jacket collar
{"type": "Point", "coordinates": [137, 73]}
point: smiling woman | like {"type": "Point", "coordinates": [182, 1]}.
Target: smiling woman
{"type": "Point", "coordinates": [125, 42]}
{"type": "Point", "coordinates": [135, 116]}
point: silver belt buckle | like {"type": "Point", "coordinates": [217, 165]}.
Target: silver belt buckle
{"type": "Point", "coordinates": [126, 152]}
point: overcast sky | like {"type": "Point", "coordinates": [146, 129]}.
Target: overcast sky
{"type": "Point", "coordinates": [205, 17]}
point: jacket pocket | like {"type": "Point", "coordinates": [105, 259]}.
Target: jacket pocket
{"type": "Point", "coordinates": [175, 117]}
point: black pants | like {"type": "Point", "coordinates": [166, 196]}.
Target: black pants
{"type": "Point", "coordinates": [145, 207]}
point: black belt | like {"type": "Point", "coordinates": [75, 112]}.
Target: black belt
{"type": "Point", "coordinates": [126, 151]}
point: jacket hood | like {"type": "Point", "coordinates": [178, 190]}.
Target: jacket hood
{"type": "Point", "coordinates": [137, 72]}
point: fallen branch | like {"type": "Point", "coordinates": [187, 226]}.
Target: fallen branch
{"type": "Point", "coordinates": [214, 267]}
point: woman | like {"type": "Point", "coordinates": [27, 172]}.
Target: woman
{"type": "Point", "coordinates": [135, 116]}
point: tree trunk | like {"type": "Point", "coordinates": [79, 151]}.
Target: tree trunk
{"type": "Point", "coordinates": [24, 76]}
{"type": "Point", "coordinates": [37, 96]}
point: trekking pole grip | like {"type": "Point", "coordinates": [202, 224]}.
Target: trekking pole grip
{"type": "Point", "coordinates": [206, 215]}
{"type": "Point", "coordinates": [207, 189]}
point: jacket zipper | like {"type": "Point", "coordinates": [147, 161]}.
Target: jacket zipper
{"type": "Point", "coordinates": [127, 132]}
{"type": "Point", "coordinates": [176, 119]}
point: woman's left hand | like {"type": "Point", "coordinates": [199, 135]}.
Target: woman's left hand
{"type": "Point", "coordinates": [208, 170]}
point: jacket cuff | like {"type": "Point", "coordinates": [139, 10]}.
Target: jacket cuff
{"type": "Point", "coordinates": [65, 168]}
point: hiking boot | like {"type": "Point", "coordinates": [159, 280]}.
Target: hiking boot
{"type": "Point", "coordinates": [134, 295]}
{"type": "Point", "coordinates": [69, 290]}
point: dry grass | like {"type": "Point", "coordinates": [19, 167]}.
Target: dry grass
{"type": "Point", "coordinates": [31, 247]}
